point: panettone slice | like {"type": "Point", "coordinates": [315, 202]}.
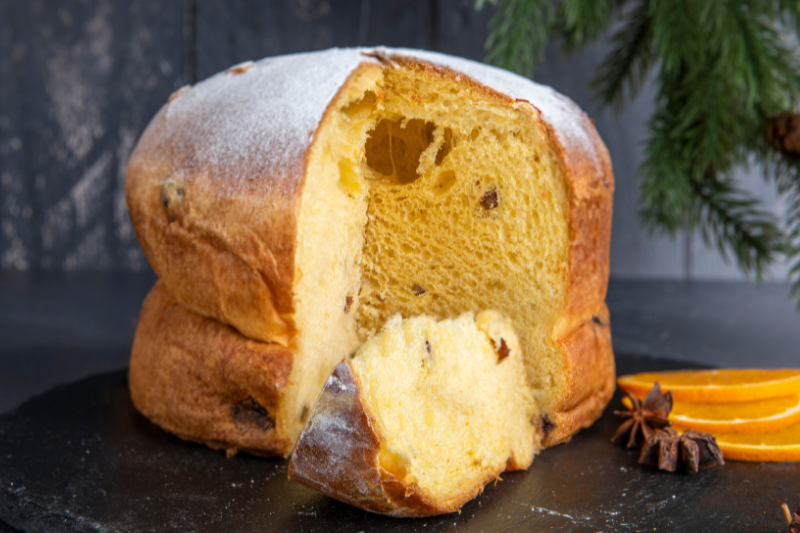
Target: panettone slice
{"type": "Point", "coordinates": [421, 418]}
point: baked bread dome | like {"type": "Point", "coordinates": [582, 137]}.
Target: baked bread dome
{"type": "Point", "coordinates": [205, 382]}
{"type": "Point", "coordinates": [422, 417]}
{"type": "Point", "coordinates": [306, 199]}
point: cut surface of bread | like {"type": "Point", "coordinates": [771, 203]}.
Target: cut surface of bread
{"type": "Point", "coordinates": [205, 382]}
{"type": "Point", "coordinates": [307, 199]}
{"type": "Point", "coordinates": [422, 417]}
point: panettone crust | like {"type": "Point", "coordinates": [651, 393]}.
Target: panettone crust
{"type": "Point", "coordinates": [203, 381]}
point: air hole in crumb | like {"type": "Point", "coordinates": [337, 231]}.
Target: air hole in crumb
{"type": "Point", "coordinates": [444, 182]}
{"type": "Point", "coordinates": [362, 106]}
{"type": "Point", "coordinates": [304, 414]}
{"type": "Point", "coordinates": [447, 145]}
{"type": "Point", "coordinates": [418, 289]}
{"type": "Point", "coordinates": [393, 148]}
{"type": "Point", "coordinates": [500, 135]}
{"type": "Point", "coordinates": [503, 351]}
{"type": "Point", "coordinates": [348, 301]}
{"type": "Point", "coordinates": [490, 200]}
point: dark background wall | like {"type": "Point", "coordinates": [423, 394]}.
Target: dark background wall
{"type": "Point", "coordinates": [80, 79]}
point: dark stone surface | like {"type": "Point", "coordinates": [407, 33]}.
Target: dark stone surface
{"type": "Point", "coordinates": [79, 458]}
{"type": "Point", "coordinates": [5, 528]}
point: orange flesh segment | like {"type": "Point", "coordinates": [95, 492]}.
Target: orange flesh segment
{"type": "Point", "coordinates": [773, 446]}
{"type": "Point", "coordinates": [761, 415]}
{"type": "Point", "coordinates": [717, 386]}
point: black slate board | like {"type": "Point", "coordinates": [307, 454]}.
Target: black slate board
{"type": "Point", "coordinates": [80, 458]}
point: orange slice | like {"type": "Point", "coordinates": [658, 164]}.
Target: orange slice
{"type": "Point", "coordinates": [744, 417]}
{"type": "Point", "coordinates": [717, 386]}
{"type": "Point", "coordinates": [773, 446]}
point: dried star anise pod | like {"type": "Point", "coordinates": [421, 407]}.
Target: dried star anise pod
{"type": "Point", "coordinates": [666, 449]}
{"type": "Point", "coordinates": [662, 449]}
{"type": "Point", "coordinates": [699, 450]}
{"type": "Point", "coordinates": [644, 418]}
{"type": "Point", "coordinates": [793, 519]}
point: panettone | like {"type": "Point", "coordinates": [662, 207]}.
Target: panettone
{"type": "Point", "coordinates": [306, 199]}
{"type": "Point", "coordinates": [422, 417]}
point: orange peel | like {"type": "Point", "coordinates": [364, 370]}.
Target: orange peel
{"type": "Point", "coordinates": [718, 385]}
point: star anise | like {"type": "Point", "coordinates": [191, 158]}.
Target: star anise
{"type": "Point", "coordinates": [666, 449]}
{"type": "Point", "coordinates": [662, 449]}
{"type": "Point", "coordinates": [793, 519]}
{"type": "Point", "coordinates": [700, 450]}
{"type": "Point", "coordinates": [643, 418]}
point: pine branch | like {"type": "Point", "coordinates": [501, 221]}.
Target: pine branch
{"type": "Point", "coordinates": [581, 21]}
{"type": "Point", "coordinates": [733, 222]}
{"type": "Point", "coordinates": [518, 33]}
{"type": "Point", "coordinates": [787, 178]}
{"type": "Point", "coordinates": [788, 11]}
{"type": "Point", "coordinates": [666, 191]}
{"type": "Point", "coordinates": [678, 33]}
{"type": "Point", "coordinates": [762, 63]}
{"type": "Point", "coordinates": [628, 62]}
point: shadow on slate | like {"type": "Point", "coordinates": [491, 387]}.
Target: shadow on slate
{"type": "Point", "coordinates": [80, 458]}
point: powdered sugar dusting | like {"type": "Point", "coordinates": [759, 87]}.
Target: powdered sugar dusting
{"type": "Point", "coordinates": [261, 119]}
{"type": "Point", "coordinates": [245, 123]}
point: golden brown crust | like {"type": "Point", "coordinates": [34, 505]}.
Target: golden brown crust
{"type": "Point", "coordinates": [590, 378]}
{"type": "Point", "coordinates": [584, 332]}
{"type": "Point", "coordinates": [227, 256]}
{"type": "Point", "coordinates": [204, 382]}
{"type": "Point", "coordinates": [338, 455]}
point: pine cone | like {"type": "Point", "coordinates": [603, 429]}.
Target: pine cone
{"type": "Point", "coordinates": [783, 133]}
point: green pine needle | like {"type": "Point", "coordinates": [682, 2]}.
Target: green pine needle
{"type": "Point", "coordinates": [732, 221]}
{"type": "Point", "coordinates": [629, 61]}
{"type": "Point", "coordinates": [518, 33]}
{"type": "Point", "coordinates": [581, 21]}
